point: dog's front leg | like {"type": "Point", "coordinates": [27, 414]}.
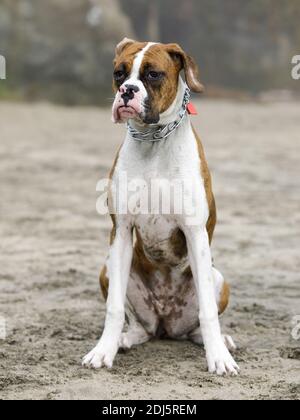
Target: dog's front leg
{"type": "Point", "coordinates": [219, 359]}
{"type": "Point", "coordinates": [118, 265]}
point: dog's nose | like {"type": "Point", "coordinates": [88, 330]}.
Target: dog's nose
{"type": "Point", "coordinates": [132, 88]}
{"type": "Point", "coordinates": [129, 89]}
{"type": "Point", "coordinates": [127, 92]}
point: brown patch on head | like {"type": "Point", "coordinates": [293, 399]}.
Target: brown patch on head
{"type": "Point", "coordinates": [162, 88]}
{"type": "Point", "coordinates": [126, 52]}
{"type": "Point", "coordinates": [165, 61]}
{"type": "Point", "coordinates": [123, 44]}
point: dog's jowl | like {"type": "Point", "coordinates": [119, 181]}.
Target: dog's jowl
{"type": "Point", "coordinates": [159, 275]}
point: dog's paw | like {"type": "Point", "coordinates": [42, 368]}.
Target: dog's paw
{"type": "Point", "coordinates": [125, 342]}
{"type": "Point", "coordinates": [220, 361]}
{"type": "Point", "coordinates": [229, 343]}
{"type": "Point", "coordinates": [100, 356]}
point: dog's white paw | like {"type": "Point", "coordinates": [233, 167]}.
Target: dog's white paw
{"type": "Point", "coordinates": [100, 356]}
{"type": "Point", "coordinates": [220, 361]}
{"type": "Point", "coordinates": [229, 343]}
{"type": "Point", "coordinates": [125, 341]}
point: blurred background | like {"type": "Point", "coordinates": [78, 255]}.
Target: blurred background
{"type": "Point", "coordinates": [62, 50]}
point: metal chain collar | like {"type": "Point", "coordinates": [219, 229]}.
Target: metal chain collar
{"type": "Point", "coordinates": [164, 131]}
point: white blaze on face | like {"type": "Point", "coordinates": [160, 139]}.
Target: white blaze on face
{"type": "Point", "coordinates": [138, 102]}
{"type": "Point", "coordinates": [135, 71]}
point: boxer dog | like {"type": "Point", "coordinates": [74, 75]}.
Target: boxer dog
{"type": "Point", "coordinates": [159, 274]}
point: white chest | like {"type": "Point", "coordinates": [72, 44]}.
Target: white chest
{"type": "Point", "coordinates": [160, 185]}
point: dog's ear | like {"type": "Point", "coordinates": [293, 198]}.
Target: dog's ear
{"type": "Point", "coordinates": [123, 44]}
{"type": "Point", "coordinates": [189, 66]}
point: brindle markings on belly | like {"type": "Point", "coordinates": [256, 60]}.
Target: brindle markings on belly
{"type": "Point", "coordinates": [169, 281]}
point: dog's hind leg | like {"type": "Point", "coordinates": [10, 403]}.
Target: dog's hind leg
{"type": "Point", "coordinates": [196, 338]}
{"type": "Point", "coordinates": [222, 291]}
{"type": "Point", "coordinates": [135, 334]}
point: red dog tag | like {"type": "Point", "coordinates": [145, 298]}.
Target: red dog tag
{"type": "Point", "coordinates": [191, 109]}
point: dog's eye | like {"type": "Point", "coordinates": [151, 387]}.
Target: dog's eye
{"type": "Point", "coordinates": [154, 75]}
{"type": "Point", "coordinates": [119, 75]}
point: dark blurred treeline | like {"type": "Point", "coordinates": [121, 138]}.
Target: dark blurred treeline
{"type": "Point", "coordinates": [62, 50]}
{"type": "Point", "coordinates": [240, 44]}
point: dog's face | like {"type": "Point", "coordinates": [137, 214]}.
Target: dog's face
{"type": "Point", "coordinates": [146, 77]}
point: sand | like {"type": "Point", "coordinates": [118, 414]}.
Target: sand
{"type": "Point", "coordinates": [53, 244]}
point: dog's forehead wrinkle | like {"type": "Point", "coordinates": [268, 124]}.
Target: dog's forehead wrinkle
{"type": "Point", "coordinates": [129, 53]}
{"type": "Point", "coordinates": [157, 58]}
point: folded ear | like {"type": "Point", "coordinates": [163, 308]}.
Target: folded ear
{"type": "Point", "coordinates": [123, 44]}
{"type": "Point", "coordinates": [188, 64]}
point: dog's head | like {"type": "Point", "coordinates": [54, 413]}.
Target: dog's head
{"type": "Point", "coordinates": [146, 78]}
